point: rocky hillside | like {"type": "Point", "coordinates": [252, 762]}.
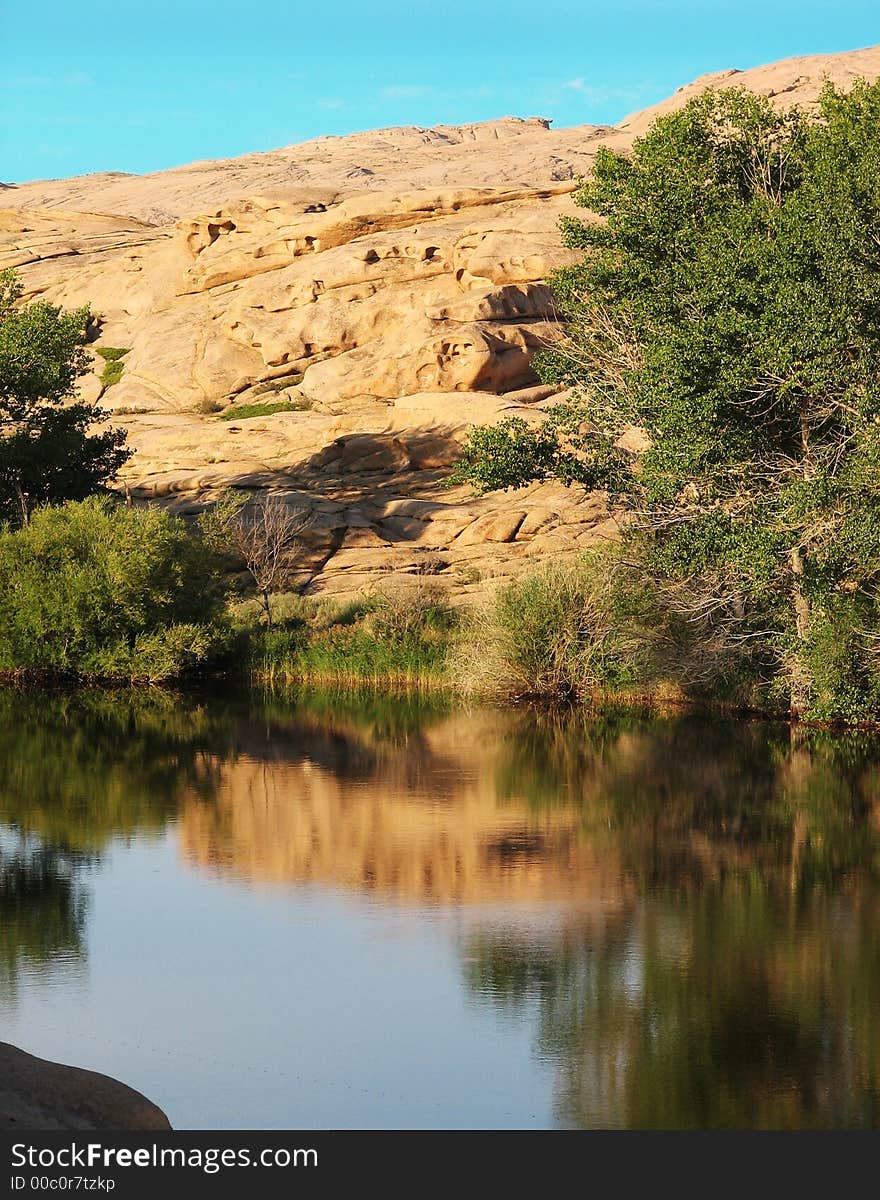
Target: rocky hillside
{"type": "Point", "coordinates": [388, 286]}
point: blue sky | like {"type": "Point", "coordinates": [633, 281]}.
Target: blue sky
{"type": "Point", "coordinates": [113, 85]}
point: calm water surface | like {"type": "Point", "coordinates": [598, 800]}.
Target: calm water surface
{"type": "Point", "coordinates": [317, 912]}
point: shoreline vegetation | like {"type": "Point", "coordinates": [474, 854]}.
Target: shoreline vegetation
{"type": "Point", "coordinates": [96, 593]}
{"type": "Point", "coordinates": [720, 353]}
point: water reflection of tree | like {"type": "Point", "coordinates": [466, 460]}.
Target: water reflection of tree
{"type": "Point", "coordinates": [42, 909]}
{"type": "Point", "coordinates": [76, 770]}
{"type": "Point", "coordinates": [79, 768]}
{"type": "Point", "coordinates": [742, 987]}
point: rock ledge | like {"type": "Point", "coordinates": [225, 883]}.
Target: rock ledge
{"type": "Point", "coordinates": [39, 1095]}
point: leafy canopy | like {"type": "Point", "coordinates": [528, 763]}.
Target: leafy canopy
{"type": "Point", "coordinates": [727, 304]}
{"type": "Point", "coordinates": [47, 452]}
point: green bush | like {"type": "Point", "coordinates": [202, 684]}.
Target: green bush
{"type": "Point", "coordinates": [843, 654]}
{"type": "Point", "coordinates": [565, 631]}
{"type": "Point", "coordinates": [94, 589]}
{"type": "Point", "coordinates": [113, 364]}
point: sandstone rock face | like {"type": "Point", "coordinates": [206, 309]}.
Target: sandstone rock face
{"type": "Point", "coordinates": [389, 285]}
{"type": "Point", "coordinates": [40, 1095]}
{"type": "Point", "coordinates": [791, 81]}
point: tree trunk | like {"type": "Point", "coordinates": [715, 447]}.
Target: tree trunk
{"type": "Point", "coordinates": [22, 503]}
{"type": "Point", "coordinates": [268, 609]}
{"type": "Point", "coordinates": [801, 679]}
{"type": "Point", "coordinates": [801, 676]}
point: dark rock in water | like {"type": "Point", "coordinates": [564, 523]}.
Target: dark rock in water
{"type": "Point", "coordinates": [36, 1094]}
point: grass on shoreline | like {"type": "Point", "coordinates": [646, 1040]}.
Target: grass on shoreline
{"type": "Point", "coordinates": [561, 635]}
{"type": "Point", "coordinates": [383, 641]}
{"type": "Point", "coordinates": [567, 633]}
{"type": "Point", "coordinates": [413, 641]}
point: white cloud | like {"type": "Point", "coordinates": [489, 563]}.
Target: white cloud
{"type": "Point", "coordinates": [330, 103]}
{"type": "Point", "coordinates": [404, 91]}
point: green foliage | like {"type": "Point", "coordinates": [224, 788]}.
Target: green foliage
{"type": "Point", "coordinates": [727, 305]}
{"type": "Point", "coordinates": [843, 654]}
{"type": "Point", "coordinates": [112, 353]}
{"type": "Point", "coordinates": [241, 412]}
{"type": "Point", "coordinates": [391, 639]}
{"type": "Point", "coordinates": [565, 631]}
{"type": "Point", "coordinates": [113, 364]}
{"type": "Point", "coordinates": [214, 522]}
{"type": "Point", "coordinates": [282, 383]}
{"type": "Point", "coordinates": [93, 589]}
{"type": "Point", "coordinates": [47, 453]}
{"type": "Point", "coordinates": [515, 453]}
{"type": "Point", "coordinates": [41, 350]}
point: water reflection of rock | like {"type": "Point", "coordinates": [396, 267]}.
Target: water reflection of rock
{"type": "Point", "coordinates": [686, 910]}
{"type": "Point", "coordinates": [423, 820]}
{"type": "Point", "coordinates": [712, 957]}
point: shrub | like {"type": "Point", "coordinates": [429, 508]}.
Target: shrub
{"type": "Point", "coordinates": [565, 631]}
{"type": "Point", "coordinates": [262, 534]}
{"type": "Point", "coordinates": [207, 407]}
{"type": "Point", "coordinates": [95, 589]}
{"type": "Point", "coordinates": [241, 412]}
{"type": "Point", "coordinates": [113, 364]}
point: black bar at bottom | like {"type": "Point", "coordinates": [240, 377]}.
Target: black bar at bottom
{"type": "Point", "coordinates": [272, 1163]}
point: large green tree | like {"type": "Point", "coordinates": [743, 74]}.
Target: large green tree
{"type": "Point", "coordinates": [727, 304]}
{"type": "Point", "coordinates": [48, 449]}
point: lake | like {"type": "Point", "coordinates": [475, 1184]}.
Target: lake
{"type": "Point", "coordinates": [318, 911]}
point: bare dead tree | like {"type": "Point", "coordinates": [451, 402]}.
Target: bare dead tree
{"type": "Point", "coordinates": [265, 535]}
{"type": "Point", "coordinates": [598, 345]}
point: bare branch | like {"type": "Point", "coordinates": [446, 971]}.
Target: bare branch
{"type": "Point", "coordinates": [265, 536]}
